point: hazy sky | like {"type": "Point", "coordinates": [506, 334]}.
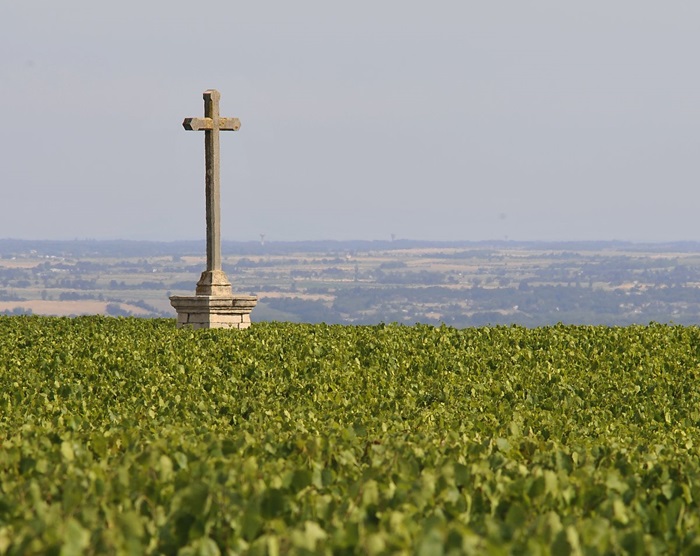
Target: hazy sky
{"type": "Point", "coordinates": [450, 120]}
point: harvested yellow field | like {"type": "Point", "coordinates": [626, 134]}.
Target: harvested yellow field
{"type": "Point", "coordinates": [66, 308]}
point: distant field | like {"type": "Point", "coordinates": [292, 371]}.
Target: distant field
{"type": "Point", "coordinates": [67, 308]}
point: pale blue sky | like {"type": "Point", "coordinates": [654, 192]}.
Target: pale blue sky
{"type": "Point", "coordinates": [430, 120]}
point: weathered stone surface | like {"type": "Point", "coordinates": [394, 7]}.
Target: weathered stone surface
{"type": "Point", "coordinates": [211, 124]}
{"type": "Point", "coordinates": [214, 282]}
{"type": "Point", "coordinates": [238, 304]}
{"type": "Point", "coordinates": [201, 311]}
{"type": "Point", "coordinates": [198, 124]}
{"type": "Point", "coordinates": [214, 305]}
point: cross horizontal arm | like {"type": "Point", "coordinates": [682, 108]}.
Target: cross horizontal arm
{"type": "Point", "coordinates": [198, 124]}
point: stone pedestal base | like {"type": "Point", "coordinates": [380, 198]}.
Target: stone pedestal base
{"type": "Point", "coordinates": [209, 311]}
{"type": "Point", "coordinates": [214, 283]}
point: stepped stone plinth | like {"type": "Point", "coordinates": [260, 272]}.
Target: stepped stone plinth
{"type": "Point", "coordinates": [210, 311]}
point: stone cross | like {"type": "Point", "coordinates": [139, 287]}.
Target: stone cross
{"type": "Point", "coordinates": [213, 305]}
{"type": "Point", "coordinates": [213, 281]}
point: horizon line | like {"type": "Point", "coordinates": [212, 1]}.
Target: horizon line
{"type": "Point", "coordinates": [357, 240]}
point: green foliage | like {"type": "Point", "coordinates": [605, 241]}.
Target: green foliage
{"type": "Point", "coordinates": [126, 436]}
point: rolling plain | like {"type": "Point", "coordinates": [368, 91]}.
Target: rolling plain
{"type": "Point", "coordinates": [459, 284]}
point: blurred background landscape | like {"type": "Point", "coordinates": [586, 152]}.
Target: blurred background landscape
{"type": "Point", "coordinates": [366, 282]}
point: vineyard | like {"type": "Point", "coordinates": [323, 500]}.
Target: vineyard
{"type": "Point", "coordinates": [127, 436]}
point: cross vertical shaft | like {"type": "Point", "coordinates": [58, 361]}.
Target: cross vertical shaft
{"type": "Point", "coordinates": [213, 180]}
